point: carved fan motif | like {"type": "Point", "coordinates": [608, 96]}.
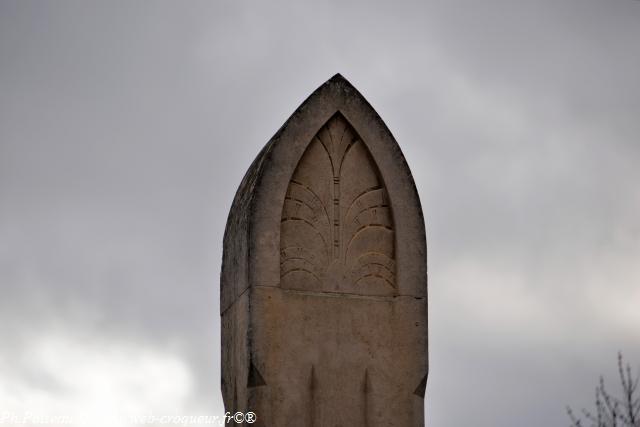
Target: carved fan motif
{"type": "Point", "coordinates": [337, 226]}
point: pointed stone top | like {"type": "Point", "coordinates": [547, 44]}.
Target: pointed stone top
{"type": "Point", "coordinates": [340, 79]}
{"type": "Point", "coordinates": [258, 205]}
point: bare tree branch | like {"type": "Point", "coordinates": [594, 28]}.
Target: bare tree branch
{"type": "Point", "coordinates": [611, 411]}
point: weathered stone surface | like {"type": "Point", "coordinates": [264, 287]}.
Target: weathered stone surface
{"type": "Point", "coordinates": [324, 279]}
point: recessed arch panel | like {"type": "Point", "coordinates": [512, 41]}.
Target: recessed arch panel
{"type": "Point", "coordinates": [337, 230]}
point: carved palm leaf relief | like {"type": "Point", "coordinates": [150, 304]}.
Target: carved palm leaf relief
{"type": "Point", "coordinates": [337, 230]}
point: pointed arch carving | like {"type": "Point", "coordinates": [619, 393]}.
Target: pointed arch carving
{"type": "Point", "coordinates": [337, 229]}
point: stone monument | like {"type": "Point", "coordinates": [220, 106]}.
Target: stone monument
{"type": "Point", "coordinates": [324, 276]}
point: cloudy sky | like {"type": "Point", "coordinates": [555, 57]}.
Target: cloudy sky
{"type": "Point", "coordinates": [125, 128]}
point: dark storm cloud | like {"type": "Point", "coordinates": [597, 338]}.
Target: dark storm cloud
{"type": "Point", "coordinates": [126, 127]}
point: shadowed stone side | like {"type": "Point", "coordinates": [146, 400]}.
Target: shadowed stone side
{"type": "Point", "coordinates": [324, 280]}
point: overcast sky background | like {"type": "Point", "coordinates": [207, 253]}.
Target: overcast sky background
{"type": "Point", "coordinates": [125, 129]}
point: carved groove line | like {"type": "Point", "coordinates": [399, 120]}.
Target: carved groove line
{"type": "Point", "coordinates": [293, 219]}
{"type": "Point", "coordinates": [314, 195]}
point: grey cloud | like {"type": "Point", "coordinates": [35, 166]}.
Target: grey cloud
{"type": "Point", "coordinates": [125, 128]}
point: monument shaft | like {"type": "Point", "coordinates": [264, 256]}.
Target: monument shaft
{"type": "Point", "coordinates": [324, 280]}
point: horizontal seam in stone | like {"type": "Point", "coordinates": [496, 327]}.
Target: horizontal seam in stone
{"type": "Point", "coordinates": [343, 294]}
